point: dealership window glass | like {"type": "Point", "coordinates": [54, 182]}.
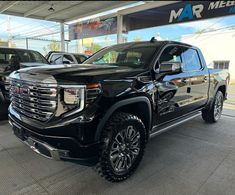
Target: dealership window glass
{"type": "Point", "coordinates": [191, 60]}
{"type": "Point", "coordinates": [133, 55]}
{"type": "Point", "coordinates": [222, 64]}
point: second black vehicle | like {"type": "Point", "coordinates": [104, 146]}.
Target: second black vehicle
{"type": "Point", "coordinates": [12, 59]}
{"type": "Point", "coordinates": [105, 110]}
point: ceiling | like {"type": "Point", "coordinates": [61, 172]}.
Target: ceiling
{"type": "Point", "coordinates": [64, 11]}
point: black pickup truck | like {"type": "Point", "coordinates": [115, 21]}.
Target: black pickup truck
{"type": "Point", "coordinates": [12, 59]}
{"type": "Point", "coordinates": [104, 111]}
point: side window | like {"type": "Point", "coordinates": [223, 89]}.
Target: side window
{"type": "Point", "coordinates": [68, 59]}
{"type": "Point", "coordinates": [82, 58]}
{"type": "Point", "coordinates": [191, 60]}
{"type": "Point", "coordinates": [133, 57]}
{"type": "Point", "coordinates": [26, 57]}
{"type": "Point", "coordinates": [56, 59]}
{"type": "Point", "coordinates": [108, 58]}
{"type": "Point", "coordinates": [171, 54]}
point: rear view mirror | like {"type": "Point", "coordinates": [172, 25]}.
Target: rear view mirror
{"type": "Point", "coordinates": [170, 68]}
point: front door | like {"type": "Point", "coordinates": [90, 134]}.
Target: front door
{"type": "Point", "coordinates": [173, 90]}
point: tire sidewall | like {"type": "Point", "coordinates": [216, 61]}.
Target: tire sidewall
{"type": "Point", "coordinates": [116, 128]}
{"type": "Point", "coordinates": [218, 94]}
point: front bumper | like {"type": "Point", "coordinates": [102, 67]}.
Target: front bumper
{"type": "Point", "coordinates": [55, 147]}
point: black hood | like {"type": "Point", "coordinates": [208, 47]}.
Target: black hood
{"type": "Point", "coordinates": [84, 73]}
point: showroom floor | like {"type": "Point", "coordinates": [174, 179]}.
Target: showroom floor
{"type": "Point", "coordinates": [194, 158]}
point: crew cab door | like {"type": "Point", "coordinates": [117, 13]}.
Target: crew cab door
{"type": "Point", "coordinates": [198, 78]}
{"type": "Point", "coordinates": [172, 90]}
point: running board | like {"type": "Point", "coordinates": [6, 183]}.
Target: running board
{"type": "Point", "coordinates": [163, 128]}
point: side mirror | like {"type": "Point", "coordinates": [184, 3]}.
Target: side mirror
{"type": "Point", "coordinates": [170, 68]}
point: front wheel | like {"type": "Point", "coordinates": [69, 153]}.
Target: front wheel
{"type": "Point", "coordinates": [124, 140]}
{"type": "Point", "coordinates": [213, 113]}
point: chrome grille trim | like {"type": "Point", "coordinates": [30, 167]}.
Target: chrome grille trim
{"type": "Point", "coordinates": [37, 101]}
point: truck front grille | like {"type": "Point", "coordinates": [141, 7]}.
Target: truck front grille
{"type": "Point", "coordinates": [36, 101]}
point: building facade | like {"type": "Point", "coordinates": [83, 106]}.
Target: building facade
{"type": "Point", "coordinates": [218, 48]}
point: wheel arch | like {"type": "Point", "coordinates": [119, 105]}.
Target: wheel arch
{"type": "Point", "coordinates": [222, 88]}
{"type": "Point", "coordinates": [132, 106]}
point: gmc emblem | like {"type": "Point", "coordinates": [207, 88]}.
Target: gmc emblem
{"type": "Point", "coordinates": [20, 90]}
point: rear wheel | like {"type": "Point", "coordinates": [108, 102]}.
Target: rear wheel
{"type": "Point", "coordinates": [213, 113]}
{"type": "Point", "coordinates": [124, 141]}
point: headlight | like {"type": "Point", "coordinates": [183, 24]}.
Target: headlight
{"type": "Point", "coordinates": [76, 97]}
{"type": "Point", "coordinates": [73, 95]}
{"type": "Point", "coordinates": [5, 79]}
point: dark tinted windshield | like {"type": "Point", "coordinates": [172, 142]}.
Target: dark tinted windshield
{"type": "Point", "coordinates": [10, 59]}
{"type": "Point", "coordinates": [31, 56]}
{"type": "Point", "coordinates": [134, 55]}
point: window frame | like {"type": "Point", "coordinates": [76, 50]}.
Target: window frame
{"type": "Point", "coordinates": [160, 53]}
{"type": "Point", "coordinates": [193, 70]}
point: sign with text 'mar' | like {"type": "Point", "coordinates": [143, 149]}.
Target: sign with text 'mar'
{"type": "Point", "coordinates": [184, 11]}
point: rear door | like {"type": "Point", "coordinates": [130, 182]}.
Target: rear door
{"type": "Point", "coordinates": [198, 78]}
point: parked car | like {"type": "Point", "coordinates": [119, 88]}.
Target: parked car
{"type": "Point", "coordinates": [57, 57]}
{"type": "Point", "coordinates": [12, 59]}
{"type": "Point", "coordinates": [105, 110]}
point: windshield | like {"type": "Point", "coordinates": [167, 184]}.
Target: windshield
{"type": "Point", "coordinates": [134, 55]}
{"type": "Point", "coordinates": [10, 59]}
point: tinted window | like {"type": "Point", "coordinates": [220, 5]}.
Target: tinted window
{"type": "Point", "coordinates": [9, 60]}
{"type": "Point", "coordinates": [191, 60]}
{"type": "Point", "coordinates": [6, 55]}
{"type": "Point", "coordinates": [80, 58]}
{"type": "Point", "coordinates": [31, 56]}
{"type": "Point", "coordinates": [133, 55]}
{"type": "Point", "coordinates": [171, 54]}
{"type": "Point", "coordinates": [67, 59]}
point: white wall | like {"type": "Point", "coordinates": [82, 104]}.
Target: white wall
{"type": "Point", "coordinates": [217, 45]}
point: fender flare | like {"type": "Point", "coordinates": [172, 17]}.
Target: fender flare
{"type": "Point", "coordinates": [118, 105]}
{"type": "Point", "coordinates": [222, 83]}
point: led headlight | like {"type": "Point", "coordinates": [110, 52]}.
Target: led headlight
{"type": "Point", "coordinates": [73, 95]}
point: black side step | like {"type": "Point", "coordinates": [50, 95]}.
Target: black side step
{"type": "Point", "coordinates": [165, 127]}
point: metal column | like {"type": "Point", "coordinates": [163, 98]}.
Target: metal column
{"type": "Point", "coordinates": [119, 28]}
{"type": "Point", "coordinates": [62, 43]}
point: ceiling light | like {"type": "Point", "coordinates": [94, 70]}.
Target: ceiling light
{"type": "Point", "coordinates": [51, 9]}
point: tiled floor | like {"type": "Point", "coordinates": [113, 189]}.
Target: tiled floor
{"type": "Point", "coordinates": [194, 158]}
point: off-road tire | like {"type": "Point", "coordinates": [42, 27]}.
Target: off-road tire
{"type": "Point", "coordinates": [114, 126]}
{"type": "Point", "coordinates": [208, 114]}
